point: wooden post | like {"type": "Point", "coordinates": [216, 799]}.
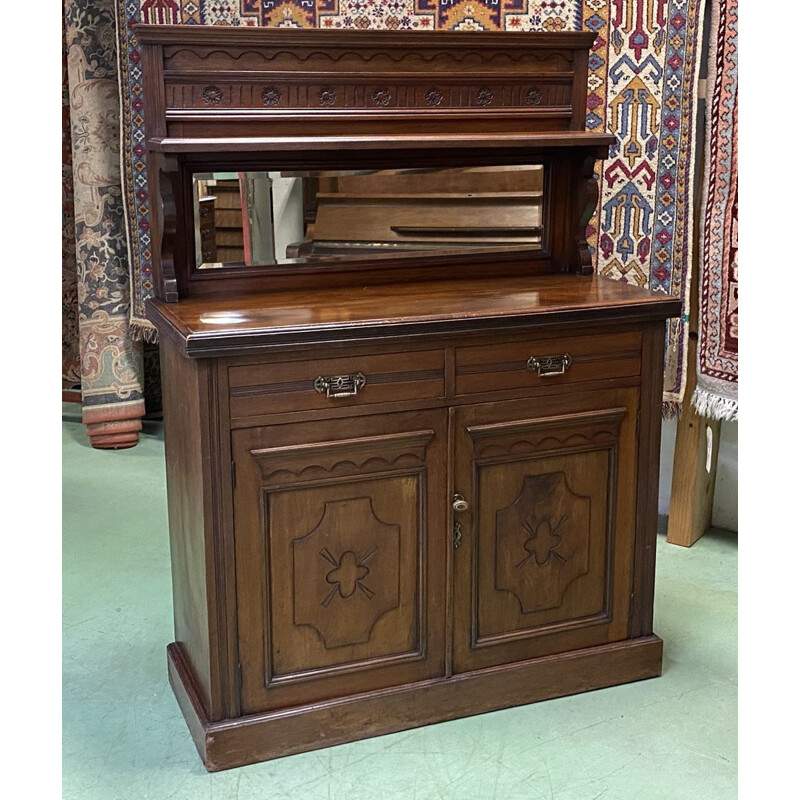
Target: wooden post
{"type": "Point", "coordinates": [694, 469]}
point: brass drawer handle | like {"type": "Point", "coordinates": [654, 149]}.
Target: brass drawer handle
{"type": "Point", "coordinates": [340, 385]}
{"type": "Point", "coordinates": [546, 366]}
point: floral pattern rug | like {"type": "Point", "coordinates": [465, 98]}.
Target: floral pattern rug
{"type": "Point", "coordinates": [94, 225]}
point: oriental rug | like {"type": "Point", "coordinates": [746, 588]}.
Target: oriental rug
{"type": "Point", "coordinates": [643, 75]}
{"type": "Point", "coordinates": [70, 347]}
{"type": "Point", "coordinates": [110, 358]}
{"type": "Point", "coordinates": [716, 394]}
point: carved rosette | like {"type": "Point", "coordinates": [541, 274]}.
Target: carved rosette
{"type": "Point", "coordinates": [381, 96]}
{"type": "Point", "coordinates": [346, 573]}
{"type": "Point", "coordinates": [434, 96]}
{"type": "Point", "coordinates": [484, 96]}
{"type": "Point", "coordinates": [326, 96]}
{"type": "Point", "coordinates": [212, 95]}
{"type": "Point", "coordinates": [533, 96]}
{"type": "Point", "coordinates": [270, 96]}
{"type": "Point", "coordinates": [542, 542]}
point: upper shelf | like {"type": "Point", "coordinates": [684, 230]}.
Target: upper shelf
{"type": "Point", "coordinates": [217, 88]}
{"type": "Point", "coordinates": [217, 35]}
{"type": "Point", "coordinates": [357, 142]}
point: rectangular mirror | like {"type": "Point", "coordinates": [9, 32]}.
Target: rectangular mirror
{"type": "Point", "coordinates": [270, 218]}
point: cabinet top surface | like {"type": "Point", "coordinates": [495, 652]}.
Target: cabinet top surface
{"type": "Point", "coordinates": [225, 325]}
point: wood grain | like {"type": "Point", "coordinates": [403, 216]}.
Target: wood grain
{"type": "Point", "coordinates": [328, 583]}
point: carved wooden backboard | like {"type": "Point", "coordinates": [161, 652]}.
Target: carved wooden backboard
{"type": "Point", "coordinates": [228, 82]}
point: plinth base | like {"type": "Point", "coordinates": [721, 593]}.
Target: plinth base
{"type": "Point", "coordinates": [260, 737]}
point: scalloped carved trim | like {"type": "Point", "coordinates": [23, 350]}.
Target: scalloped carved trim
{"type": "Point", "coordinates": [349, 466]}
{"type": "Point", "coordinates": [305, 462]}
{"type": "Point", "coordinates": [199, 54]}
{"type": "Point", "coordinates": [546, 443]}
{"type": "Point", "coordinates": [547, 433]}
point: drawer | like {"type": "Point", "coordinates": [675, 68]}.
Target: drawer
{"type": "Point", "coordinates": [523, 363]}
{"type": "Point", "coordinates": [323, 383]}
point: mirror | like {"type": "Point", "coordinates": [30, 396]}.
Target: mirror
{"type": "Point", "coordinates": [269, 218]}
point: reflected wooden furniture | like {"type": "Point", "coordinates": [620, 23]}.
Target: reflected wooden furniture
{"type": "Point", "coordinates": [423, 211]}
{"type": "Point", "coordinates": [400, 490]}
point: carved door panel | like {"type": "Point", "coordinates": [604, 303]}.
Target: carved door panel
{"type": "Point", "coordinates": [340, 531]}
{"type": "Point", "coordinates": [544, 561]}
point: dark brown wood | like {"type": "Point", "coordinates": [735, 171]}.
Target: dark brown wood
{"type": "Point", "coordinates": [400, 492]}
{"type": "Point", "coordinates": [649, 434]}
{"type": "Point", "coordinates": [519, 145]}
{"type": "Point", "coordinates": [238, 323]}
{"type": "Point", "coordinates": [260, 737]}
{"type": "Point", "coordinates": [349, 541]}
{"type": "Point", "coordinates": [319, 99]}
{"type": "Point", "coordinates": [544, 565]}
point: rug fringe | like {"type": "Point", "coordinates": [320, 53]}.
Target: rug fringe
{"type": "Point", "coordinates": [143, 332]}
{"type": "Point", "coordinates": [670, 409]}
{"type": "Point", "coordinates": [714, 406]}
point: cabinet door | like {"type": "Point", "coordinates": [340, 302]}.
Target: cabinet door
{"type": "Point", "coordinates": [545, 555]}
{"type": "Point", "coordinates": [340, 531]}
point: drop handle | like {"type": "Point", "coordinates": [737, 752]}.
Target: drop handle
{"type": "Point", "coordinates": [459, 503]}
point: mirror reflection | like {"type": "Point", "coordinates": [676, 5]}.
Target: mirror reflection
{"type": "Point", "coordinates": [265, 218]}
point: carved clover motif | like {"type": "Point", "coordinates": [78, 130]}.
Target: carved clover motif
{"type": "Point", "coordinates": [326, 96]}
{"type": "Point", "coordinates": [212, 95]}
{"type": "Point", "coordinates": [543, 541]}
{"type": "Point", "coordinates": [484, 96]}
{"type": "Point", "coordinates": [533, 96]}
{"type": "Point", "coordinates": [271, 96]}
{"type": "Point", "coordinates": [381, 97]}
{"type": "Point", "coordinates": [348, 574]}
{"type": "Point", "coordinates": [433, 97]}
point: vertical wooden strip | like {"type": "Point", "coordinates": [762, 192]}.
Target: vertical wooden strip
{"type": "Point", "coordinates": [579, 82]}
{"type": "Point", "coordinates": [644, 556]}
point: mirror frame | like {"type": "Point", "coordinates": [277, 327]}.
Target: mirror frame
{"type": "Point", "coordinates": [552, 256]}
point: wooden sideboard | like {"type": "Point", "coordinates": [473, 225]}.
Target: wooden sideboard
{"type": "Point", "coordinates": [402, 488]}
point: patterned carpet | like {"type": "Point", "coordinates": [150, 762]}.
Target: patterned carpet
{"type": "Point", "coordinates": [643, 74]}
{"type": "Point", "coordinates": [110, 357]}
{"type": "Point", "coordinates": [716, 394]}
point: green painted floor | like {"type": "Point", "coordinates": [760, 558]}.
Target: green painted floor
{"type": "Point", "coordinates": [123, 736]}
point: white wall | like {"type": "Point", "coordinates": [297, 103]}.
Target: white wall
{"type": "Point", "coordinates": [725, 513]}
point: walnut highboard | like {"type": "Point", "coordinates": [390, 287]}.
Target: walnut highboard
{"type": "Point", "coordinates": [412, 441]}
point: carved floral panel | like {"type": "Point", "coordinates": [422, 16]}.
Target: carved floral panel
{"type": "Point", "coordinates": [346, 572]}
{"type": "Point", "coordinates": [542, 541]}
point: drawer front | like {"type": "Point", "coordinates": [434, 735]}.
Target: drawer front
{"type": "Point", "coordinates": [524, 363]}
{"type": "Point", "coordinates": [285, 386]}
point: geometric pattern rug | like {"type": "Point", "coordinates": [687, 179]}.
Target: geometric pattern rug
{"type": "Point", "coordinates": [642, 84]}
{"type": "Point", "coordinates": [716, 395]}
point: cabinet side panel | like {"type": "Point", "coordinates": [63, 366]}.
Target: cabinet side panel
{"type": "Point", "coordinates": [187, 518]}
{"type": "Point", "coordinates": [647, 480]}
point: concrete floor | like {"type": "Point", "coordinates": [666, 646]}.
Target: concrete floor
{"type": "Point", "coordinates": [123, 736]}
